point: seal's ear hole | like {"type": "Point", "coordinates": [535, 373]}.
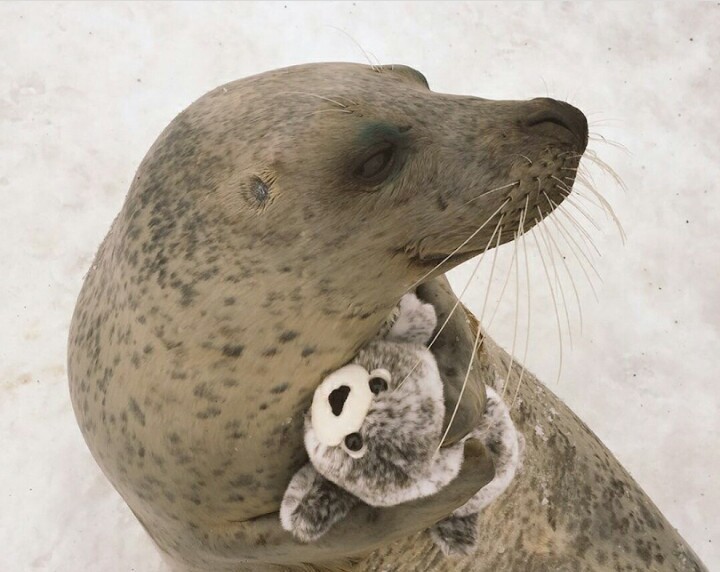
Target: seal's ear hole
{"type": "Point", "coordinates": [337, 399]}
{"type": "Point", "coordinates": [354, 446]}
{"type": "Point", "coordinates": [257, 190]}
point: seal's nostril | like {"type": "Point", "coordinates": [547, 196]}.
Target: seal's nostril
{"type": "Point", "coordinates": [561, 114]}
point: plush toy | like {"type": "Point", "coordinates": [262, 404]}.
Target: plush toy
{"type": "Point", "coordinates": [373, 436]}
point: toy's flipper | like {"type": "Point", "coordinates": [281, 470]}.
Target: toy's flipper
{"type": "Point", "coordinates": [416, 321]}
{"type": "Point", "coordinates": [456, 535]}
{"type": "Point", "coordinates": [312, 504]}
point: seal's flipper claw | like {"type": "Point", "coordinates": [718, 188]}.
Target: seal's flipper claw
{"type": "Point", "coordinates": [312, 504]}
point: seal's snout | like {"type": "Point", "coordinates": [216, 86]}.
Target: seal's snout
{"type": "Point", "coordinates": [551, 114]}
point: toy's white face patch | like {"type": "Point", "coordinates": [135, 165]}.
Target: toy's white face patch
{"type": "Point", "coordinates": [340, 404]}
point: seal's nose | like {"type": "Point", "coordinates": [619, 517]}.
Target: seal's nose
{"type": "Point", "coordinates": [551, 112]}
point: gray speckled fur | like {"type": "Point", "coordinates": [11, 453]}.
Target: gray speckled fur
{"type": "Point", "coordinates": [402, 432]}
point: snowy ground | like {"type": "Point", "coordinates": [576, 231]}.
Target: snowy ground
{"type": "Point", "coordinates": [85, 89]}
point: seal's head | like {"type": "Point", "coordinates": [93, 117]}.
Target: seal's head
{"type": "Point", "coordinates": [357, 171]}
{"type": "Point", "coordinates": [266, 236]}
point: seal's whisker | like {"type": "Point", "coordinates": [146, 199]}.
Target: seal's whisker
{"type": "Point", "coordinates": [455, 251]}
{"type": "Point", "coordinates": [467, 284]}
{"type": "Point", "coordinates": [583, 234]}
{"type": "Point", "coordinates": [567, 269]}
{"type": "Point", "coordinates": [593, 158]}
{"type": "Point", "coordinates": [324, 98]}
{"type": "Point", "coordinates": [602, 139]}
{"type": "Point", "coordinates": [502, 291]}
{"type": "Point", "coordinates": [375, 66]}
{"type": "Point", "coordinates": [529, 307]}
{"type": "Point", "coordinates": [329, 110]}
{"type": "Point", "coordinates": [543, 230]}
{"type": "Point", "coordinates": [491, 191]}
{"type": "Point", "coordinates": [457, 301]}
{"type": "Point", "coordinates": [566, 190]}
{"type": "Point", "coordinates": [517, 304]}
{"type": "Point", "coordinates": [608, 208]}
{"type": "Point", "coordinates": [553, 297]}
{"type": "Point", "coordinates": [476, 344]}
{"type": "Point", "coordinates": [523, 156]}
{"type": "Point", "coordinates": [570, 199]}
{"type": "Point", "coordinates": [575, 249]}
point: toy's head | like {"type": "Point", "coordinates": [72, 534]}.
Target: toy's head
{"type": "Point", "coordinates": [386, 453]}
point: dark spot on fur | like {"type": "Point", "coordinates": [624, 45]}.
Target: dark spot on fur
{"type": "Point", "coordinates": [288, 336]}
{"type": "Point", "coordinates": [232, 350]}
{"type": "Point", "coordinates": [242, 481]}
{"type": "Point", "coordinates": [280, 388]}
{"type": "Point", "coordinates": [229, 301]}
{"type": "Point", "coordinates": [136, 411]}
{"type": "Point", "coordinates": [308, 352]}
{"type": "Point", "coordinates": [208, 413]}
{"type": "Point", "coordinates": [263, 406]}
{"type": "Point", "coordinates": [269, 352]}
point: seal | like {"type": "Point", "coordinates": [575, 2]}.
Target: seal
{"type": "Point", "coordinates": [266, 236]}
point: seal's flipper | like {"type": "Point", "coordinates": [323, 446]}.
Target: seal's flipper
{"type": "Point", "coordinates": [312, 504]}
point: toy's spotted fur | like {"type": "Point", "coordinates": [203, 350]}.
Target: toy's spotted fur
{"type": "Point", "coordinates": [401, 431]}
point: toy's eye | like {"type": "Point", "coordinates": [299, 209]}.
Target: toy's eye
{"type": "Point", "coordinates": [377, 384]}
{"type": "Point", "coordinates": [354, 446]}
{"type": "Point", "coordinates": [379, 379]}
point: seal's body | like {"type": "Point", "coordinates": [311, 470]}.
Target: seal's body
{"type": "Point", "coordinates": [265, 237]}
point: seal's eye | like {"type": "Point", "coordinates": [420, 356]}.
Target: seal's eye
{"type": "Point", "coordinates": [354, 446]}
{"type": "Point", "coordinates": [378, 384]}
{"type": "Point", "coordinates": [375, 166]}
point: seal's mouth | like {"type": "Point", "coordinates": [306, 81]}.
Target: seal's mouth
{"type": "Point", "coordinates": [436, 264]}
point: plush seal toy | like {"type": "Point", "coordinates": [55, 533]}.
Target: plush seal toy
{"type": "Point", "coordinates": [373, 435]}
